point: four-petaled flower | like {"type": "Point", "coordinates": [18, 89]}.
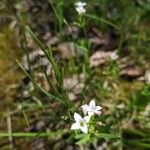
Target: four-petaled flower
{"type": "Point", "coordinates": [80, 7]}
{"type": "Point", "coordinates": [91, 109]}
{"type": "Point", "coordinates": [81, 123]}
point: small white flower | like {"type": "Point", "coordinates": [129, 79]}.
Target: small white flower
{"type": "Point", "coordinates": [80, 7]}
{"type": "Point", "coordinates": [91, 109]}
{"type": "Point", "coordinates": [114, 56]}
{"type": "Point", "coordinates": [147, 76]}
{"type": "Point", "coordinates": [146, 112]}
{"type": "Point", "coordinates": [120, 106]}
{"type": "Point", "coordinates": [81, 123]}
{"type": "Point", "coordinates": [80, 10]}
{"type": "Point", "coordinates": [80, 4]}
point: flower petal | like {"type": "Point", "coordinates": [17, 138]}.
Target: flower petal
{"type": "Point", "coordinates": [80, 4]}
{"type": "Point", "coordinates": [81, 10]}
{"type": "Point", "coordinates": [98, 107]}
{"type": "Point", "coordinates": [77, 117]}
{"type": "Point", "coordinates": [75, 126]}
{"type": "Point", "coordinates": [85, 109]}
{"type": "Point", "coordinates": [97, 112]}
{"type": "Point", "coordinates": [87, 118]}
{"type": "Point", "coordinates": [90, 113]}
{"type": "Point", "coordinates": [84, 129]}
{"type": "Point", "coordinates": [92, 103]}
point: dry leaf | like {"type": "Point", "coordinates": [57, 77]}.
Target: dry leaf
{"type": "Point", "coordinates": [132, 72]}
{"type": "Point", "coordinates": [74, 85]}
{"type": "Point", "coordinates": [72, 31]}
{"type": "Point", "coordinates": [100, 40]}
{"type": "Point", "coordinates": [52, 41]}
{"type": "Point", "coordinates": [37, 59]}
{"type": "Point", "coordinates": [129, 69]}
{"type": "Point", "coordinates": [101, 57]}
{"type": "Point", "coordinates": [68, 50]}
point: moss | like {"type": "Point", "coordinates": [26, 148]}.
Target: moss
{"type": "Point", "coordinates": [9, 74]}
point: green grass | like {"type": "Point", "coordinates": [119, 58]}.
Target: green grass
{"type": "Point", "coordinates": [32, 135]}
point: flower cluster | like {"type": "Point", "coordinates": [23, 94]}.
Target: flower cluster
{"type": "Point", "coordinates": [80, 7]}
{"type": "Point", "coordinates": [88, 111]}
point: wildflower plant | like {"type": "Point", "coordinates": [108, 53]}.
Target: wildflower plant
{"type": "Point", "coordinates": [81, 10]}
{"type": "Point", "coordinates": [81, 123]}
{"type": "Point", "coordinates": [90, 124]}
{"type": "Point", "coordinates": [91, 109]}
{"type": "Point", "coordinates": [80, 7]}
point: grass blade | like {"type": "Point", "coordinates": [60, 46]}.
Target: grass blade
{"type": "Point", "coordinates": [40, 88]}
{"type": "Point", "coordinates": [33, 134]}
{"type": "Point", "coordinates": [102, 20]}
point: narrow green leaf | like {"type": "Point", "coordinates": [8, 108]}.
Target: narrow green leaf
{"type": "Point", "coordinates": [102, 20]}
{"type": "Point", "coordinates": [40, 88]}
{"type": "Point", "coordinates": [137, 143]}
{"type": "Point", "coordinates": [34, 134]}
{"type": "Point", "coordinates": [79, 136]}
{"type": "Point", "coordinates": [108, 136]}
{"type": "Point", "coordinates": [83, 140]}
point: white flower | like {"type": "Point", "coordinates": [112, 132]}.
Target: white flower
{"type": "Point", "coordinates": [147, 76]}
{"type": "Point", "coordinates": [80, 7]}
{"type": "Point", "coordinates": [81, 123]}
{"type": "Point", "coordinates": [91, 109]}
{"type": "Point", "coordinates": [114, 56]}
{"type": "Point", "coordinates": [80, 4]}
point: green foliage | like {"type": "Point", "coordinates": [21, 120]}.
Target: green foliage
{"type": "Point", "coordinates": [141, 98]}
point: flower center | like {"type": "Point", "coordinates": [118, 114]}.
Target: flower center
{"type": "Point", "coordinates": [93, 108]}
{"type": "Point", "coordinates": [81, 123]}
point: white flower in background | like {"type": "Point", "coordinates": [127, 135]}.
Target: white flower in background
{"type": "Point", "coordinates": [146, 112]}
{"type": "Point", "coordinates": [80, 7]}
{"type": "Point", "coordinates": [147, 76]}
{"type": "Point", "coordinates": [121, 106]}
{"type": "Point", "coordinates": [81, 123]}
{"type": "Point", "coordinates": [114, 56]}
{"type": "Point", "coordinates": [91, 109]}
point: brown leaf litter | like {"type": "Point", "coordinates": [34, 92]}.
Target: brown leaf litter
{"type": "Point", "coordinates": [102, 57]}
{"type": "Point", "coordinates": [74, 86]}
